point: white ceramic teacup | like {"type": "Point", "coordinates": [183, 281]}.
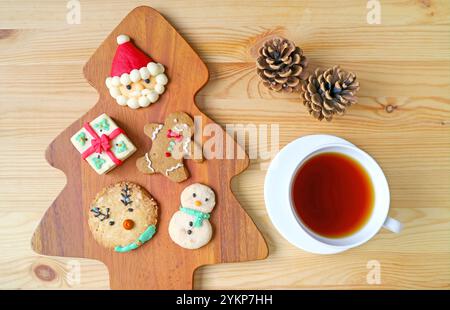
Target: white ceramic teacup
{"type": "Point", "coordinates": [379, 216]}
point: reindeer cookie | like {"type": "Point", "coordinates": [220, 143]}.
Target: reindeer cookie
{"type": "Point", "coordinates": [123, 217]}
{"type": "Point", "coordinates": [190, 227]}
{"type": "Point", "coordinates": [171, 142]}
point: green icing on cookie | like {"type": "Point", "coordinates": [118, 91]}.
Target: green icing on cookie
{"type": "Point", "coordinates": [98, 162]}
{"type": "Point", "coordinates": [120, 147]}
{"type": "Point", "coordinates": [81, 138]}
{"type": "Point", "coordinates": [143, 238]}
{"type": "Point", "coordinates": [199, 216]}
{"type": "Point", "coordinates": [102, 125]}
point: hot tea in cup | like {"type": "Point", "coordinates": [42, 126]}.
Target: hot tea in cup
{"type": "Point", "coordinates": [332, 194]}
{"type": "Point", "coordinates": [340, 196]}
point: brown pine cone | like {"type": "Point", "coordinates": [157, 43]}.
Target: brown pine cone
{"type": "Point", "coordinates": [281, 65]}
{"type": "Point", "coordinates": [330, 92]}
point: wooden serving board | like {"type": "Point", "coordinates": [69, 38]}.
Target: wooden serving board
{"type": "Point", "coordinates": [159, 264]}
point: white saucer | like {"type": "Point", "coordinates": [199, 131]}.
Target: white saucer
{"type": "Point", "coordinates": [277, 187]}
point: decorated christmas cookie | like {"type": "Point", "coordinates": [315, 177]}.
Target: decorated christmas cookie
{"type": "Point", "coordinates": [135, 80]}
{"type": "Point", "coordinates": [102, 144]}
{"type": "Point", "coordinates": [190, 227]}
{"type": "Point", "coordinates": [123, 217]}
{"type": "Point", "coordinates": [171, 142]}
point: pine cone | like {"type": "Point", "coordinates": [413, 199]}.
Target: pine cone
{"type": "Point", "coordinates": [281, 65]}
{"type": "Point", "coordinates": [330, 92]}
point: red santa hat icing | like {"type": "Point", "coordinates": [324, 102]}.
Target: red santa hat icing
{"type": "Point", "coordinates": [128, 57]}
{"type": "Point", "coordinates": [130, 65]}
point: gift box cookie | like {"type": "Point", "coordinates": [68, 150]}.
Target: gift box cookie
{"type": "Point", "coordinates": [103, 144]}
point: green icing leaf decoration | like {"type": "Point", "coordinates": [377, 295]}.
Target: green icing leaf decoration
{"type": "Point", "coordinates": [102, 125]}
{"type": "Point", "coordinates": [120, 147]}
{"type": "Point", "coordinates": [98, 162]}
{"type": "Point", "coordinates": [81, 138]}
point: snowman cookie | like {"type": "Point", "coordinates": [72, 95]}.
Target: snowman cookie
{"type": "Point", "coordinates": [190, 227]}
{"type": "Point", "coordinates": [171, 143]}
{"type": "Point", "coordinates": [123, 217]}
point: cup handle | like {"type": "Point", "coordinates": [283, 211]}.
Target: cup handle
{"type": "Point", "coordinates": [392, 225]}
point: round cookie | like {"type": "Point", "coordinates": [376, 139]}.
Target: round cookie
{"type": "Point", "coordinates": [123, 216]}
{"type": "Point", "coordinates": [190, 227]}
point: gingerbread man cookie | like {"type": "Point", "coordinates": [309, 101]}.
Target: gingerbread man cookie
{"type": "Point", "coordinates": [123, 217]}
{"type": "Point", "coordinates": [171, 143]}
{"type": "Point", "coordinates": [190, 227]}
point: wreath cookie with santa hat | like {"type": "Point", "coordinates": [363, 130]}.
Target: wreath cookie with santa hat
{"type": "Point", "coordinates": [135, 80]}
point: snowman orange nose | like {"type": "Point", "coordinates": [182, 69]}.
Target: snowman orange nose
{"type": "Point", "coordinates": [128, 224]}
{"type": "Point", "coordinates": [198, 203]}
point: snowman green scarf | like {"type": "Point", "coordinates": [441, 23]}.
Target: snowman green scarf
{"type": "Point", "coordinates": [199, 215]}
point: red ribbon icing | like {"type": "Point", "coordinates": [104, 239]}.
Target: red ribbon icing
{"type": "Point", "coordinates": [102, 144]}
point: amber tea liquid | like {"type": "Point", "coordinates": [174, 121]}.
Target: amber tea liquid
{"type": "Point", "coordinates": [332, 195]}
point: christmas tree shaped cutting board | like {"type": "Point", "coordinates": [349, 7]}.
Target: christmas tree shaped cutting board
{"type": "Point", "coordinates": [160, 263]}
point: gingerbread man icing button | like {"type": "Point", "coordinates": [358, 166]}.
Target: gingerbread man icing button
{"type": "Point", "coordinates": [171, 143]}
{"type": "Point", "coordinates": [136, 80]}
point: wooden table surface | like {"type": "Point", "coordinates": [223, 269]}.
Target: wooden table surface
{"type": "Point", "coordinates": [402, 119]}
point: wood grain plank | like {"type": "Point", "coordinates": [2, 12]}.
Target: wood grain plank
{"type": "Point", "coordinates": [424, 225]}
{"type": "Point", "coordinates": [403, 63]}
{"type": "Point", "coordinates": [231, 44]}
{"type": "Point", "coordinates": [52, 13]}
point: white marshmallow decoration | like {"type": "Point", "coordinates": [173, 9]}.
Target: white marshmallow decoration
{"type": "Point", "coordinates": [123, 38]}
{"type": "Point", "coordinates": [159, 89]}
{"type": "Point", "coordinates": [114, 92]}
{"type": "Point", "coordinates": [161, 68]}
{"type": "Point", "coordinates": [125, 79]}
{"type": "Point", "coordinates": [115, 81]}
{"type": "Point", "coordinates": [108, 82]}
{"type": "Point", "coordinates": [153, 68]}
{"type": "Point", "coordinates": [135, 75]}
{"type": "Point", "coordinates": [133, 103]}
{"type": "Point", "coordinates": [145, 74]}
{"type": "Point", "coordinates": [161, 79]}
{"type": "Point", "coordinates": [121, 100]}
{"type": "Point", "coordinates": [144, 102]}
{"type": "Point", "coordinates": [153, 96]}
